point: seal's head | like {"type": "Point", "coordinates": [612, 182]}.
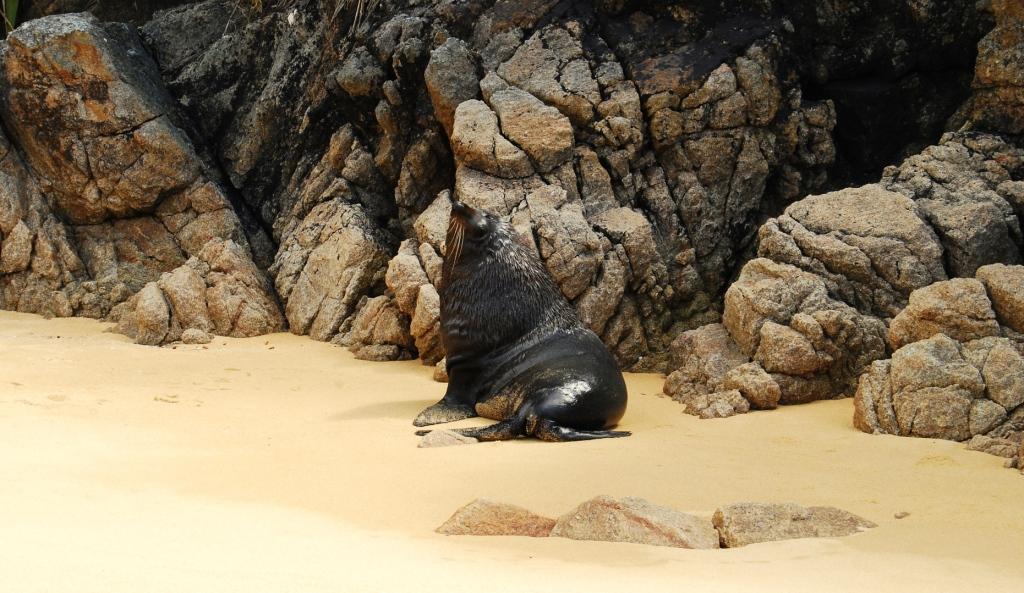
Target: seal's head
{"type": "Point", "coordinates": [495, 287]}
{"type": "Point", "coordinates": [472, 233]}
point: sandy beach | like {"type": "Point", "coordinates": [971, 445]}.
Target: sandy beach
{"type": "Point", "coordinates": [282, 464]}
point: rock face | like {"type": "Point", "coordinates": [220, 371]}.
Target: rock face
{"type": "Point", "coordinates": [748, 523]}
{"type": "Point", "coordinates": [106, 192]}
{"type": "Point", "coordinates": [638, 146]}
{"type": "Point", "coordinates": [484, 517]}
{"type": "Point", "coordinates": [997, 103]}
{"type": "Point", "coordinates": [637, 521]}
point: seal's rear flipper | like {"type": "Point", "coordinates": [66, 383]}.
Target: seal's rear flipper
{"type": "Point", "coordinates": [547, 430]}
{"type": "Point", "coordinates": [443, 412]}
{"type": "Point", "coordinates": [505, 430]}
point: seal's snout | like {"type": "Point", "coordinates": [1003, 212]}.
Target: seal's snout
{"type": "Point", "coordinates": [460, 209]}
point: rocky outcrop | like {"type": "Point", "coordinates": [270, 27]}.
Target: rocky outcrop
{"type": "Point", "coordinates": [967, 190]}
{"type": "Point", "coordinates": [107, 191]}
{"type": "Point", "coordinates": [637, 521]}
{"type": "Point", "coordinates": [219, 291]}
{"type": "Point", "coordinates": [956, 373]}
{"type": "Point", "coordinates": [834, 269]}
{"type": "Point", "coordinates": [561, 126]}
{"type": "Point", "coordinates": [746, 523]}
{"type": "Point", "coordinates": [484, 517]}
{"type": "Point", "coordinates": [997, 102]}
{"type": "Point", "coordinates": [638, 146]}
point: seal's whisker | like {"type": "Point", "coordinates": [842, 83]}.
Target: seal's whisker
{"type": "Point", "coordinates": [458, 246]}
{"type": "Point", "coordinates": [462, 244]}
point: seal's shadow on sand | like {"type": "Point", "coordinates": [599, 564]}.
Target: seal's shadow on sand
{"type": "Point", "coordinates": [396, 410]}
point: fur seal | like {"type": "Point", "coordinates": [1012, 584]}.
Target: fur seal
{"type": "Point", "coordinates": [517, 351]}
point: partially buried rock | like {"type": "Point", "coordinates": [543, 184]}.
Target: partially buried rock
{"type": "Point", "coordinates": [444, 438]}
{"type": "Point", "coordinates": [635, 520]}
{"type": "Point", "coordinates": [993, 446]}
{"type": "Point", "coordinates": [195, 336]}
{"type": "Point", "coordinates": [746, 523]}
{"type": "Point", "coordinates": [485, 517]}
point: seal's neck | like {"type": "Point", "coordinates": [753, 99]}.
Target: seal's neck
{"type": "Point", "coordinates": [496, 292]}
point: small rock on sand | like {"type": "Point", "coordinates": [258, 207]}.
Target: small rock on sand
{"type": "Point", "coordinates": [637, 521]}
{"type": "Point", "coordinates": [195, 336]}
{"type": "Point", "coordinates": [485, 517]}
{"type": "Point", "coordinates": [746, 523]}
{"type": "Point", "coordinates": [993, 446]}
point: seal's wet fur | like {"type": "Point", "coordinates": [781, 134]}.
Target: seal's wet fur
{"type": "Point", "coordinates": [517, 351]}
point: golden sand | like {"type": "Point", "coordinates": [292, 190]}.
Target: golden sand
{"type": "Point", "coordinates": [282, 464]}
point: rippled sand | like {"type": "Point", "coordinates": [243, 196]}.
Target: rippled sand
{"type": "Point", "coordinates": [283, 464]}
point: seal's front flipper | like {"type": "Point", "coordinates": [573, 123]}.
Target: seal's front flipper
{"type": "Point", "coordinates": [442, 412]}
{"type": "Point", "coordinates": [547, 430]}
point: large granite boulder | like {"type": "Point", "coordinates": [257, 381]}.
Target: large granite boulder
{"type": "Point", "coordinates": [812, 345]}
{"type": "Point", "coordinates": [870, 246]}
{"type": "Point", "coordinates": [940, 388]}
{"type": "Point", "coordinates": [958, 308]}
